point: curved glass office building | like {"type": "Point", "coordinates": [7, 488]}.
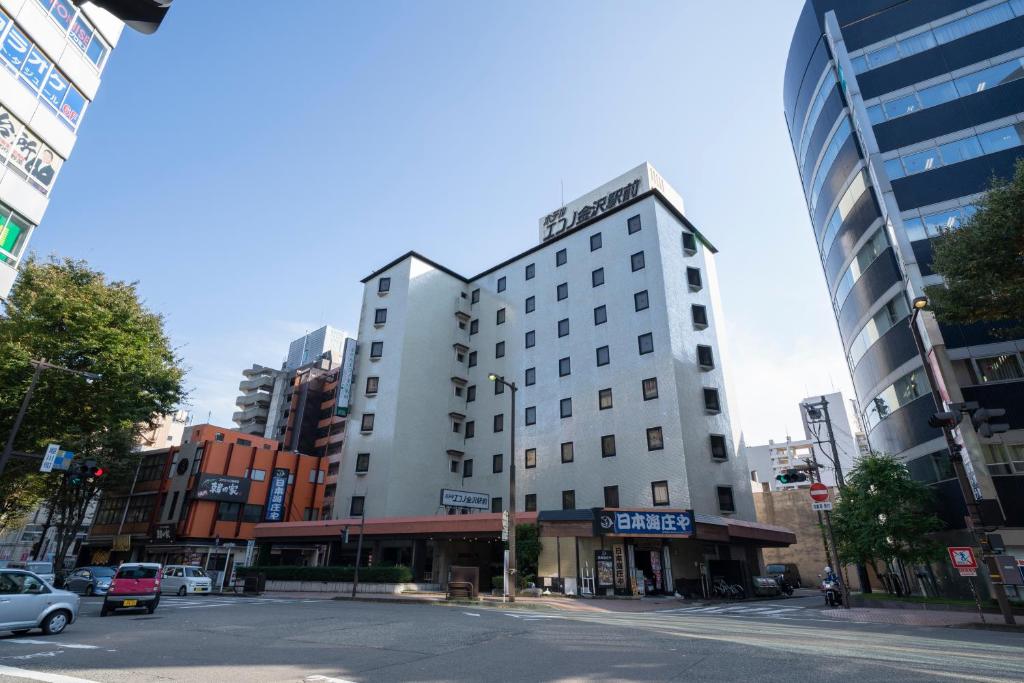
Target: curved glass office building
{"type": "Point", "coordinates": [900, 112]}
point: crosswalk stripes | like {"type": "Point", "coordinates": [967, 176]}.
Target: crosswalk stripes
{"type": "Point", "coordinates": [213, 601]}
{"type": "Point", "coordinates": [751, 610]}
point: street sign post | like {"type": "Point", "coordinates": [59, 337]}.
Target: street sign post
{"type": "Point", "coordinates": [821, 507]}
{"type": "Point", "coordinates": [819, 492]}
{"type": "Point", "coordinates": [51, 455]}
{"type": "Point", "coordinates": [504, 525]}
{"type": "Point", "coordinates": [963, 560]}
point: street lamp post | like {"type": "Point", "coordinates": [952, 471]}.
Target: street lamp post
{"type": "Point", "coordinates": [511, 489]}
{"type": "Point", "coordinates": [956, 458]}
{"type": "Point", "coordinates": [39, 366]}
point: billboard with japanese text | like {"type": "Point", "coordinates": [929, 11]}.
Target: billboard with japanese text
{"type": "Point", "coordinates": [275, 495]}
{"type": "Point", "coordinates": [667, 523]}
{"type": "Point", "coordinates": [222, 488]}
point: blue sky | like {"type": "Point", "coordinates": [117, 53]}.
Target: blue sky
{"type": "Point", "coordinates": [249, 166]}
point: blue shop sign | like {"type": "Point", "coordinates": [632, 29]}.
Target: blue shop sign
{"type": "Point", "coordinates": [669, 524]}
{"type": "Point", "coordinates": [275, 495]}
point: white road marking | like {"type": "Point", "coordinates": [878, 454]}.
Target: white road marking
{"type": "Point", "coordinates": [325, 679]}
{"type": "Point", "coordinates": [51, 643]}
{"type": "Point", "coordinates": [470, 614]}
{"type": "Point", "coordinates": [40, 676]}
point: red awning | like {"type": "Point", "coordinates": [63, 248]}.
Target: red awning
{"type": "Point", "coordinates": [485, 525]}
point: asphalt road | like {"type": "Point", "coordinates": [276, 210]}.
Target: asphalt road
{"type": "Point", "coordinates": [244, 639]}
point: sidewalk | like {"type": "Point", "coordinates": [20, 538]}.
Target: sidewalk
{"type": "Point", "coordinates": [908, 617]}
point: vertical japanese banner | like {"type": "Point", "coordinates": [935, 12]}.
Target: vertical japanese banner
{"type": "Point", "coordinates": [348, 363]}
{"type": "Point", "coordinates": [275, 495]}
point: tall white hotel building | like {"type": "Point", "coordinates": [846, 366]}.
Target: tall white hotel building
{"type": "Point", "coordinates": [52, 54]}
{"type": "Point", "coordinates": [609, 327]}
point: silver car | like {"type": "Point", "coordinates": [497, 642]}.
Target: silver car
{"type": "Point", "coordinates": [28, 602]}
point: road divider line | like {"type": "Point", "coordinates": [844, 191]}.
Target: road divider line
{"type": "Point", "coordinates": [40, 675]}
{"type": "Point", "coordinates": [51, 643]}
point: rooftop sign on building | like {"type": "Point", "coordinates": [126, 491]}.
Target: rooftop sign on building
{"type": "Point", "coordinates": [612, 194]}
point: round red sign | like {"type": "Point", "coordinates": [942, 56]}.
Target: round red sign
{"type": "Point", "coordinates": [819, 492]}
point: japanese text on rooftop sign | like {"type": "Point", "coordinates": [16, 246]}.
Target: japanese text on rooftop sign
{"type": "Point", "coordinates": [222, 488]}
{"type": "Point", "coordinates": [557, 222]}
{"type": "Point", "coordinates": [646, 523]}
{"type": "Point", "coordinates": [275, 495]}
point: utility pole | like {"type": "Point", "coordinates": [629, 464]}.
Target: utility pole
{"type": "Point", "coordinates": [359, 551]}
{"type": "Point", "coordinates": [833, 550]}
{"type": "Point", "coordinates": [974, 519]}
{"type": "Point", "coordinates": [511, 490]}
{"type": "Point", "coordinates": [9, 446]}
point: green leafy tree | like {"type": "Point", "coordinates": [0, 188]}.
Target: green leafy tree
{"type": "Point", "coordinates": [70, 315]}
{"type": "Point", "coordinates": [527, 551]}
{"type": "Point", "coordinates": [982, 262]}
{"type": "Point", "coordinates": [884, 515]}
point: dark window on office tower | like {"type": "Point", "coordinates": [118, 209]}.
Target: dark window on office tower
{"type": "Point", "coordinates": [228, 512]}
{"type": "Point", "coordinates": [640, 301]}
{"type": "Point", "coordinates": [474, 326]}
{"type": "Point", "coordinates": [499, 350]}
{"type": "Point", "coordinates": [569, 500]}
{"type": "Point", "coordinates": [496, 504]}
{"type": "Point", "coordinates": [597, 277]}
{"type": "Point", "coordinates": [560, 257]}
{"type": "Point", "coordinates": [467, 468]}
{"type": "Point", "coordinates": [611, 496]}
{"type": "Point", "coordinates": [700, 315]}
{"type": "Point", "coordinates": [380, 316]}
{"type": "Point", "coordinates": [563, 327]}
{"type": "Point", "coordinates": [718, 449]}
{"type": "Point", "coordinates": [636, 261]}
{"type": "Point", "coordinates": [595, 241]}
{"type": "Point", "coordinates": [499, 422]}
{"type": "Point", "coordinates": [645, 343]}
{"type": "Point", "coordinates": [711, 402]}
{"type": "Point", "coordinates": [530, 458]}
{"type": "Point", "coordinates": [565, 407]}
{"type": "Point", "coordinates": [608, 446]}
{"type": "Point", "coordinates": [705, 356]}
{"type": "Point", "coordinates": [531, 304]}
{"type": "Point", "coordinates": [562, 291]}
{"type": "Point", "coordinates": [470, 429]}
{"type": "Point", "coordinates": [531, 271]}
{"type": "Point", "coordinates": [470, 393]}
{"type": "Point", "coordinates": [633, 225]}
{"type": "Point", "coordinates": [568, 452]}
{"type": "Point", "coordinates": [366, 424]}
{"type": "Point", "coordinates": [501, 284]}
{"type": "Point", "coordinates": [362, 462]}
{"type": "Point", "coordinates": [530, 502]}
{"type": "Point", "coordinates": [725, 499]}
{"type": "Point", "coordinates": [600, 315]}
{"type": "Point", "coordinates": [564, 367]}
{"type": "Point", "coordinates": [603, 357]}
{"type": "Point", "coordinates": [497, 463]}
{"type": "Point", "coordinates": [474, 297]}
{"type": "Point", "coordinates": [693, 278]}
{"type": "Point", "coordinates": [372, 384]}
{"type": "Point", "coordinates": [500, 317]}
{"type": "Point", "coordinates": [659, 492]}
{"type": "Point", "coordinates": [499, 388]}
{"type": "Point", "coordinates": [472, 359]}
{"type": "Point", "coordinates": [531, 415]}
{"type": "Point", "coordinates": [531, 339]}
{"type": "Point", "coordinates": [356, 507]}
{"type": "Point", "coordinates": [604, 399]}
{"type": "Point", "coordinates": [384, 285]}
{"type": "Point", "coordinates": [689, 243]}
{"type": "Point", "coordinates": [376, 349]}
{"type": "Point", "coordinates": [655, 441]}
{"type": "Point", "coordinates": [530, 377]}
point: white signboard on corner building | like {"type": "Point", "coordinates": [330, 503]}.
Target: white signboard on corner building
{"type": "Point", "coordinates": [465, 499]}
{"type": "Point", "coordinates": [625, 188]}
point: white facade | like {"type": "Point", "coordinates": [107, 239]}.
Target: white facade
{"type": "Point", "coordinates": [310, 347]}
{"type": "Point", "coordinates": [847, 447]}
{"type": "Point", "coordinates": [438, 343]}
{"type": "Point", "coordinates": [52, 55]}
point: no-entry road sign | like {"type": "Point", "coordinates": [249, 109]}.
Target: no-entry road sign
{"type": "Point", "coordinates": [819, 492]}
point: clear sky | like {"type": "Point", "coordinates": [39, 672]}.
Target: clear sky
{"type": "Point", "coordinates": [250, 162]}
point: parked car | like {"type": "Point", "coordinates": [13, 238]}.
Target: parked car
{"type": "Point", "coordinates": [790, 571]}
{"type": "Point", "coordinates": [766, 586]}
{"type": "Point", "coordinates": [90, 580]}
{"type": "Point", "coordinates": [183, 579]}
{"type": "Point", "coordinates": [28, 602]}
{"type": "Point", "coordinates": [135, 586]}
{"type": "Point", "coordinates": [43, 570]}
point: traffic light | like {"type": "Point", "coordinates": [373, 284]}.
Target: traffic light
{"type": "Point", "coordinates": [84, 473]}
{"type": "Point", "coordinates": [944, 420]}
{"type": "Point", "coordinates": [981, 419]}
{"type": "Point", "coordinates": [142, 15]}
{"type": "Point", "coordinates": [791, 476]}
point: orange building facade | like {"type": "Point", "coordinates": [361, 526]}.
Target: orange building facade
{"type": "Point", "coordinates": [199, 504]}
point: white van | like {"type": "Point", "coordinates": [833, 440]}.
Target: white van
{"type": "Point", "coordinates": [184, 579]}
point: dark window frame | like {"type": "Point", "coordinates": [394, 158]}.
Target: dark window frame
{"type": "Point", "coordinates": [633, 225]}
{"type": "Point", "coordinates": [660, 445]}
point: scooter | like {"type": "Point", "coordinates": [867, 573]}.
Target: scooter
{"type": "Point", "coordinates": [833, 596]}
{"type": "Point", "coordinates": [785, 586]}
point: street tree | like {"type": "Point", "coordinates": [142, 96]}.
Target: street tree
{"type": "Point", "coordinates": [527, 551]}
{"type": "Point", "coordinates": [72, 316]}
{"type": "Point", "coordinates": [883, 516]}
{"type": "Point", "coordinates": [982, 262]}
